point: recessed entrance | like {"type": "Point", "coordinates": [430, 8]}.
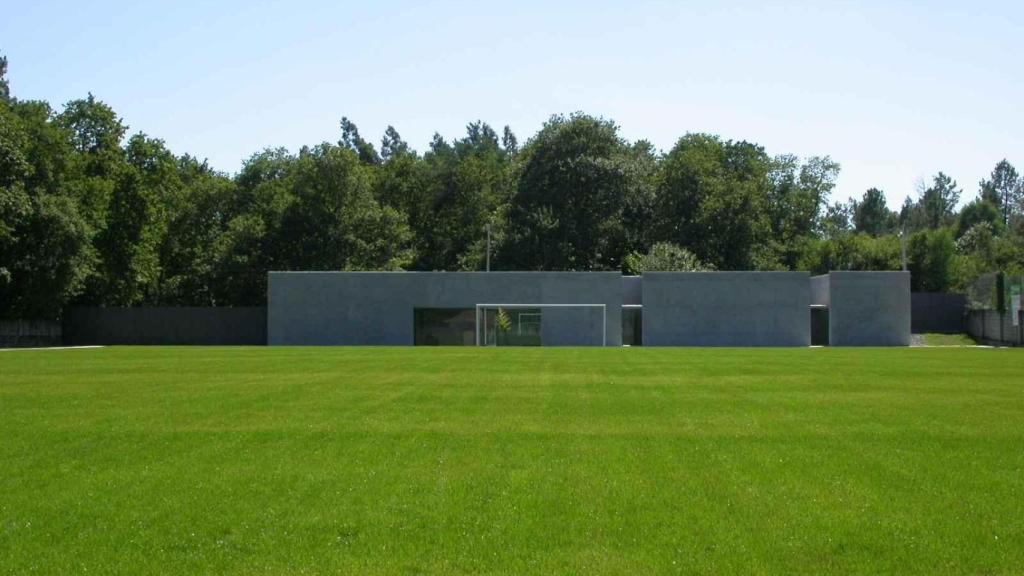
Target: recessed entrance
{"type": "Point", "coordinates": [632, 325]}
{"type": "Point", "coordinates": [819, 325]}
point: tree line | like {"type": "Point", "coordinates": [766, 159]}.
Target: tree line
{"type": "Point", "coordinates": [90, 215]}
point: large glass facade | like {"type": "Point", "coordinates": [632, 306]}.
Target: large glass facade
{"type": "Point", "coordinates": [444, 326]}
{"type": "Point", "coordinates": [510, 326]}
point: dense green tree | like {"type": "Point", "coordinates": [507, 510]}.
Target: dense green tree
{"type": "Point", "coordinates": [871, 215]}
{"type": "Point", "coordinates": [479, 137]}
{"type": "Point", "coordinates": [981, 250]}
{"type": "Point", "coordinates": [712, 199]}
{"type": "Point", "coordinates": [851, 251]}
{"type": "Point", "coordinates": [128, 247]}
{"type": "Point", "coordinates": [936, 204]}
{"type": "Point", "coordinates": [15, 205]}
{"type": "Point", "coordinates": [96, 133]}
{"type": "Point", "coordinates": [392, 144]}
{"type": "Point", "coordinates": [313, 211]}
{"type": "Point", "coordinates": [663, 257]}
{"type": "Point", "coordinates": [449, 196]}
{"type": "Point", "coordinates": [470, 190]}
{"type": "Point", "coordinates": [45, 242]}
{"type": "Point", "coordinates": [351, 139]}
{"type": "Point", "coordinates": [248, 246]}
{"type": "Point", "coordinates": [975, 253]}
{"type": "Point", "coordinates": [837, 220]}
{"type": "Point", "coordinates": [796, 196]}
{"type": "Point", "coordinates": [798, 192]}
{"type": "Point", "coordinates": [53, 166]}
{"type": "Point", "coordinates": [567, 211]}
{"type": "Point", "coordinates": [14, 170]}
{"type": "Point", "coordinates": [196, 219]}
{"type": "Point", "coordinates": [87, 217]}
{"type": "Point", "coordinates": [5, 89]}
{"type": "Point", "coordinates": [402, 184]}
{"type": "Point", "coordinates": [49, 264]}
{"type": "Point", "coordinates": [930, 260]}
{"type": "Point", "coordinates": [977, 212]}
{"type": "Point", "coordinates": [509, 142]}
{"type": "Point", "coordinates": [1005, 190]}
{"type": "Point", "coordinates": [640, 202]}
{"type": "Point", "coordinates": [334, 221]}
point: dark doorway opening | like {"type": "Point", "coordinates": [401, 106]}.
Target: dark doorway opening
{"type": "Point", "coordinates": [819, 325]}
{"type": "Point", "coordinates": [632, 326]}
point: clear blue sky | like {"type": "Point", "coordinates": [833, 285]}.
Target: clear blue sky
{"type": "Point", "coordinates": [894, 91]}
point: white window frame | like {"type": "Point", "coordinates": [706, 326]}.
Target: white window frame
{"type": "Point", "coordinates": [603, 307]}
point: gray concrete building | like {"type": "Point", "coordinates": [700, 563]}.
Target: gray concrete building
{"type": "Point", "coordinates": [865, 308]}
{"type": "Point", "coordinates": [586, 308]}
{"type": "Point", "coordinates": [444, 308]}
{"type": "Point", "coordinates": [726, 309]}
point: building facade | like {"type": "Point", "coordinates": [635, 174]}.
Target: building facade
{"type": "Point", "coordinates": [587, 308]}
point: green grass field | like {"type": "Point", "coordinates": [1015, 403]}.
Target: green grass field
{"type": "Point", "coordinates": [932, 339]}
{"type": "Point", "coordinates": [409, 461]}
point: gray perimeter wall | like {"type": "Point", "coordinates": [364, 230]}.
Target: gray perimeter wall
{"type": "Point", "coordinates": [726, 309]}
{"type": "Point", "coordinates": [992, 326]}
{"type": "Point", "coordinates": [376, 308]}
{"type": "Point", "coordinates": [166, 326]}
{"type": "Point", "coordinates": [937, 312]}
{"type": "Point", "coordinates": [869, 308]}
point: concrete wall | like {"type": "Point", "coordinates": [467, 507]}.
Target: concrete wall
{"type": "Point", "coordinates": [726, 309]}
{"type": "Point", "coordinates": [869, 308]}
{"type": "Point", "coordinates": [820, 290]}
{"type": "Point", "coordinates": [166, 326]}
{"type": "Point", "coordinates": [632, 290]}
{"type": "Point", "coordinates": [573, 327]}
{"type": "Point", "coordinates": [937, 312]}
{"type": "Point", "coordinates": [376, 308]}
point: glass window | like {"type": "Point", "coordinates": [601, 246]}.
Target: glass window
{"type": "Point", "coordinates": [511, 326]}
{"type": "Point", "coordinates": [444, 326]}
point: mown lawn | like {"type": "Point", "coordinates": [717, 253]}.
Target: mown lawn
{"type": "Point", "coordinates": [409, 461]}
{"type": "Point", "coordinates": [932, 339]}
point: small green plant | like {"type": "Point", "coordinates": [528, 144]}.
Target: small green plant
{"type": "Point", "coordinates": [502, 321]}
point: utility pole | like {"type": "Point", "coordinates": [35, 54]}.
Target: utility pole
{"type": "Point", "coordinates": [903, 246]}
{"type": "Point", "coordinates": [488, 228]}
